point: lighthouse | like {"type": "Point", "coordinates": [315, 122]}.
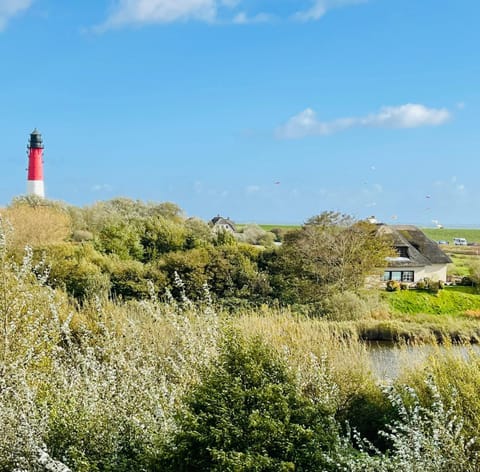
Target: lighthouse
{"type": "Point", "coordinates": [35, 185]}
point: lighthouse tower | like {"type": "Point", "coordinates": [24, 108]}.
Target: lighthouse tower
{"type": "Point", "coordinates": [35, 185]}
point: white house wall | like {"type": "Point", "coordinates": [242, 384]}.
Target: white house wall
{"type": "Point", "coordinates": [434, 272]}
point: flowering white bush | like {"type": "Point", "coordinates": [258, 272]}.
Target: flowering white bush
{"type": "Point", "coordinates": [101, 396]}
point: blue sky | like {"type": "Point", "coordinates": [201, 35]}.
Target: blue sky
{"type": "Point", "coordinates": [260, 110]}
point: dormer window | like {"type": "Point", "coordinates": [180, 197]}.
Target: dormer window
{"type": "Point", "coordinates": [402, 251]}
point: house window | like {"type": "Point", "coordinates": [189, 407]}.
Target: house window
{"type": "Point", "coordinates": [399, 275]}
{"type": "Point", "coordinates": [402, 251]}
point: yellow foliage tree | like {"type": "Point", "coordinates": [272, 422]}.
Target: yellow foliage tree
{"type": "Point", "coordinates": [36, 225]}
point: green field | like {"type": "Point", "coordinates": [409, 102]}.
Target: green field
{"type": "Point", "coordinates": [285, 227]}
{"type": "Point", "coordinates": [447, 234]}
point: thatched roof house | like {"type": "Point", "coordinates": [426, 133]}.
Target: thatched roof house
{"type": "Point", "coordinates": [418, 257]}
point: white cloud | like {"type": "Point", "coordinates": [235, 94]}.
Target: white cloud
{"type": "Point", "coordinates": [321, 7]}
{"type": "Point", "coordinates": [127, 12]}
{"type": "Point", "coordinates": [410, 115]}
{"type": "Point", "coordinates": [242, 18]}
{"type": "Point", "coordinates": [10, 8]}
{"type": "Point", "coordinates": [140, 12]}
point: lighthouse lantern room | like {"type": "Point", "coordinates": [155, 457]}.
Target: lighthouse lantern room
{"type": "Point", "coordinates": [35, 184]}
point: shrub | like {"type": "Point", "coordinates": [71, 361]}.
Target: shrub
{"type": "Point", "coordinates": [248, 415]}
{"type": "Point", "coordinates": [428, 438]}
{"type": "Point", "coordinates": [80, 235]}
{"type": "Point", "coordinates": [254, 234]}
{"type": "Point", "coordinates": [190, 267]}
{"type": "Point", "coordinates": [37, 225]}
{"type": "Point", "coordinates": [163, 235]}
{"type": "Point", "coordinates": [128, 279]}
{"type": "Point", "coordinates": [279, 233]}
{"type": "Point", "coordinates": [420, 285]}
{"type": "Point", "coordinates": [120, 238]}
{"type": "Point", "coordinates": [76, 268]}
{"type": "Point", "coordinates": [433, 286]}
{"type": "Point", "coordinates": [392, 286]}
{"type": "Point", "coordinates": [345, 306]}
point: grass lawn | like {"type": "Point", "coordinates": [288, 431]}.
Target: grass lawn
{"type": "Point", "coordinates": [454, 301]}
{"type": "Point", "coordinates": [460, 264]}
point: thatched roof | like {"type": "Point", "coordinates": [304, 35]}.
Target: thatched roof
{"type": "Point", "coordinates": [410, 240]}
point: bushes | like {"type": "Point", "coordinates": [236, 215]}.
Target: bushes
{"type": "Point", "coordinates": [37, 225]}
{"type": "Point", "coordinates": [254, 234]}
{"type": "Point", "coordinates": [76, 268]}
{"type": "Point", "coordinates": [98, 399]}
{"type": "Point", "coordinates": [146, 386]}
{"type": "Point", "coordinates": [393, 286]}
{"type": "Point", "coordinates": [121, 239]}
{"type": "Point", "coordinates": [248, 415]}
{"type": "Point", "coordinates": [346, 306]}
{"type": "Point", "coordinates": [433, 286]}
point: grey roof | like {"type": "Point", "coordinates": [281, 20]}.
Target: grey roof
{"type": "Point", "coordinates": [421, 250]}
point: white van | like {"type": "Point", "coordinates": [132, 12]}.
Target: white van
{"type": "Point", "coordinates": [459, 241]}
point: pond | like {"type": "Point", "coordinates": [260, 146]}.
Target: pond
{"type": "Point", "coordinates": [388, 359]}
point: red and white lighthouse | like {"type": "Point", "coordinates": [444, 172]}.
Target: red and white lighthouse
{"type": "Point", "coordinates": [35, 185]}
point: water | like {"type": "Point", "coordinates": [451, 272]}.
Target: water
{"type": "Point", "coordinates": [389, 359]}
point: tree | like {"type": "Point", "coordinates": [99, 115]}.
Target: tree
{"type": "Point", "coordinates": [200, 234]}
{"type": "Point", "coordinates": [233, 273]}
{"type": "Point", "coordinates": [36, 224]}
{"type": "Point", "coordinates": [331, 253]}
{"type": "Point", "coordinates": [77, 268]}
{"type": "Point", "coordinates": [254, 234]}
{"type": "Point", "coordinates": [120, 238]}
{"type": "Point", "coordinates": [162, 235]}
{"type": "Point", "coordinates": [248, 415]}
{"type": "Point", "coordinates": [190, 267]}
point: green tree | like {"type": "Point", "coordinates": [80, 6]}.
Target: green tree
{"type": "Point", "coordinates": [200, 234]}
{"type": "Point", "coordinates": [330, 253]}
{"type": "Point", "coordinates": [233, 273]}
{"type": "Point", "coordinates": [190, 267]}
{"type": "Point", "coordinates": [128, 279]}
{"type": "Point", "coordinates": [248, 415]}
{"type": "Point", "coordinates": [120, 238]}
{"type": "Point", "coordinates": [77, 268]}
{"type": "Point", "coordinates": [162, 235]}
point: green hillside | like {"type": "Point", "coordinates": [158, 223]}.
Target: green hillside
{"type": "Point", "coordinates": [447, 234]}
